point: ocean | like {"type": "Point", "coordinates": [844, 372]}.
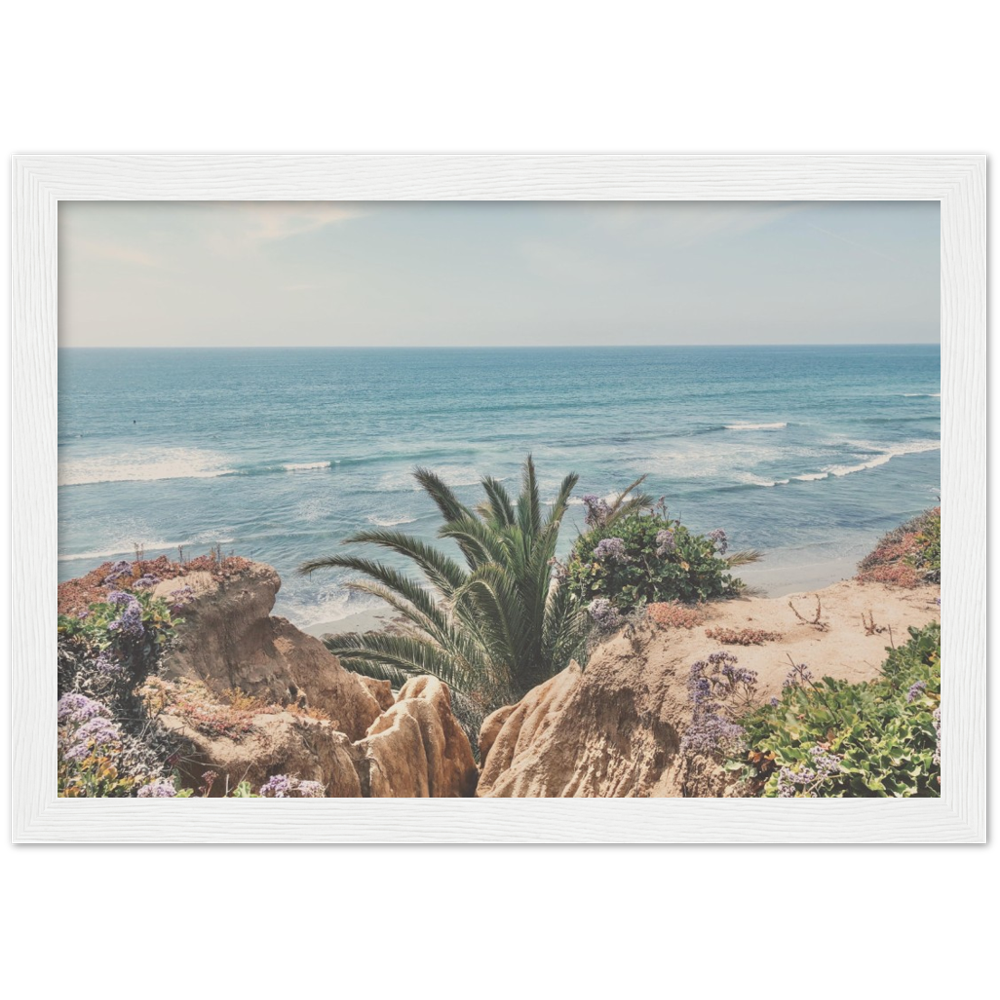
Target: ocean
{"type": "Point", "coordinates": [806, 453]}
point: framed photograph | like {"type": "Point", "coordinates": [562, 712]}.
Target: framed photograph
{"type": "Point", "coordinates": [513, 498]}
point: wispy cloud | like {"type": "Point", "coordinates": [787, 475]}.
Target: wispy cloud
{"type": "Point", "coordinates": [853, 243]}
{"type": "Point", "coordinates": [242, 228]}
{"type": "Point", "coordinates": [687, 224]}
{"type": "Point", "coordinates": [121, 252]}
{"type": "Point", "coordinates": [280, 220]}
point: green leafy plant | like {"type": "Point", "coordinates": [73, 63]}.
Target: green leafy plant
{"type": "Point", "coordinates": [927, 557]}
{"type": "Point", "coordinates": [131, 627]}
{"type": "Point", "coordinates": [883, 735]}
{"type": "Point", "coordinates": [492, 628]}
{"type": "Point", "coordinates": [644, 556]}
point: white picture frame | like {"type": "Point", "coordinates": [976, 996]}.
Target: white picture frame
{"type": "Point", "coordinates": [40, 183]}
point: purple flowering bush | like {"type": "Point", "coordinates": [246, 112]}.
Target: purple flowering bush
{"type": "Point", "coordinates": [720, 692]}
{"type": "Point", "coordinates": [832, 738]}
{"type": "Point", "coordinates": [127, 632]}
{"type": "Point", "coordinates": [89, 749]}
{"type": "Point", "coordinates": [605, 615]}
{"type": "Point", "coordinates": [644, 557]}
{"type": "Point", "coordinates": [107, 742]}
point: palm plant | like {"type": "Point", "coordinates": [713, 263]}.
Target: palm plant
{"type": "Point", "coordinates": [493, 627]}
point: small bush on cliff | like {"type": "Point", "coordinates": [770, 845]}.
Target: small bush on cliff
{"type": "Point", "coordinates": [493, 628]}
{"type": "Point", "coordinates": [644, 556]}
{"type": "Point", "coordinates": [833, 738]}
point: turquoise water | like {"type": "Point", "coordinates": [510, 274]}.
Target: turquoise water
{"type": "Point", "coordinates": [808, 453]}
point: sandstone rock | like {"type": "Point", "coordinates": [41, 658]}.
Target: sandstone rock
{"type": "Point", "coordinates": [282, 743]}
{"type": "Point", "coordinates": [229, 640]}
{"type": "Point", "coordinates": [414, 749]}
{"type": "Point", "coordinates": [417, 748]}
{"type": "Point", "coordinates": [381, 691]}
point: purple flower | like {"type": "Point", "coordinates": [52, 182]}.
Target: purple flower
{"type": "Point", "coordinates": [310, 789]}
{"type": "Point", "coordinates": [915, 691]}
{"type": "Point", "coordinates": [118, 570]}
{"type": "Point", "coordinates": [146, 580]}
{"type": "Point", "coordinates": [799, 674]}
{"type": "Point", "coordinates": [277, 787]}
{"type": "Point", "coordinates": [80, 741]}
{"type": "Point", "coordinates": [717, 690]}
{"type": "Point", "coordinates": [937, 729]}
{"type": "Point", "coordinates": [283, 787]}
{"type": "Point", "coordinates": [719, 540]}
{"type": "Point", "coordinates": [665, 542]}
{"type": "Point", "coordinates": [605, 615]}
{"type": "Point", "coordinates": [775, 702]}
{"type": "Point", "coordinates": [74, 709]}
{"type": "Point", "coordinates": [129, 622]}
{"type": "Point", "coordinates": [106, 665]}
{"type": "Point", "coordinates": [612, 549]}
{"type": "Point", "coordinates": [711, 734]}
{"type": "Point", "coordinates": [802, 780]}
{"type": "Point", "coordinates": [159, 789]}
{"type": "Point", "coordinates": [97, 730]}
{"type": "Point", "coordinates": [597, 510]}
{"type": "Point", "coordinates": [181, 596]}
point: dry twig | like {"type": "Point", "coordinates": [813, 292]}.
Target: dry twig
{"type": "Point", "coordinates": [815, 621]}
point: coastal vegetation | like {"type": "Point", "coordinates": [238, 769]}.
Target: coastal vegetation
{"type": "Point", "coordinates": [633, 554]}
{"type": "Point", "coordinates": [174, 681]}
{"type": "Point", "coordinates": [908, 555]}
{"type": "Point", "coordinates": [492, 628]}
{"type": "Point", "coordinates": [830, 738]}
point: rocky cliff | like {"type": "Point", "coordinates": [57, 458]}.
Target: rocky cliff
{"type": "Point", "coordinates": [247, 695]}
{"type": "Point", "coordinates": [615, 728]}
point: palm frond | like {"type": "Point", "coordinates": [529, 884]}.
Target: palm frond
{"type": "Point", "coordinates": [745, 556]}
{"type": "Point", "coordinates": [500, 507]}
{"type": "Point", "coordinates": [450, 506]}
{"type": "Point", "coordinates": [410, 655]}
{"type": "Point", "coordinates": [529, 504]}
{"type": "Point", "coordinates": [441, 570]}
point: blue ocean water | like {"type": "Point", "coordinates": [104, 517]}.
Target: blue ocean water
{"type": "Point", "coordinates": [808, 453]}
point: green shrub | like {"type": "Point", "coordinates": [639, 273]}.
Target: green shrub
{"type": "Point", "coordinates": [835, 739]}
{"type": "Point", "coordinates": [130, 629]}
{"type": "Point", "coordinates": [927, 557]}
{"type": "Point", "coordinates": [644, 557]}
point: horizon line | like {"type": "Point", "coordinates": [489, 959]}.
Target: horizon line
{"type": "Point", "coordinates": [470, 347]}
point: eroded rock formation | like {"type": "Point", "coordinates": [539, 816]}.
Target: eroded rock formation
{"type": "Point", "coordinates": [348, 732]}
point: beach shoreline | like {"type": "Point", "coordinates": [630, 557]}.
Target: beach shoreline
{"type": "Point", "coordinates": [761, 579]}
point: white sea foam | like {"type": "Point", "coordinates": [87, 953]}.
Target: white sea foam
{"type": "Point", "coordinates": [760, 481]}
{"type": "Point", "coordinates": [922, 395]}
{"type": "Point", "coordinates": [148, 547]}
{"type": "Point", "coordinates": [883, 455]}
{"type": "Point", "coordinates": [756, 427]}
{"type": "Point", "coordinates": [143, 466]}
{"type": "Point", "coordinates": [305, 466]}
{"type": "Point", "coordinates": [331, 606]}
{"type": "Point", "coordinates": [912, 448]}
{"type": "Point", "coordinates": [389, 521]}
{"type": "Point", "coordinates": [120, 550]}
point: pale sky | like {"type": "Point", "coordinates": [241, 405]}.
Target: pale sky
{"type": "Point", "coordinates": [352, 274]}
